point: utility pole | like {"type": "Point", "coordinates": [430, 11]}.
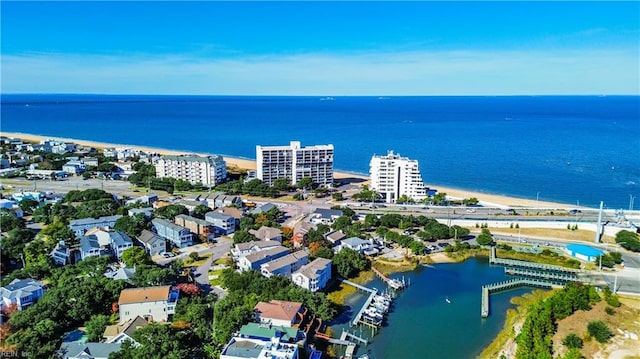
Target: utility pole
{"type": "Point", "coordinates": [598, 224]}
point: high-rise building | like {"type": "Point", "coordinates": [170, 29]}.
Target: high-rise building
{"type": "Point", "coordinates": [295, 162]}
{"type": "Point", "coordinates": [393, 176]}
{"type": "Point", "coordinates": [208, 170]}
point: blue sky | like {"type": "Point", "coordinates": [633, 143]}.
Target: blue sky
{"type": "Point", "coordinates": [321, 48]}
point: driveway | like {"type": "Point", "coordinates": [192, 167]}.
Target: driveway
{"type": "Point", "coordinates": [201, 273]}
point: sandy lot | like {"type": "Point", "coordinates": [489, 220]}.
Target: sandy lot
{"type": "Point", "coordinates": [241, 163]}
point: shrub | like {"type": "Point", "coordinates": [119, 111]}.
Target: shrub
{"type": "Point", "coordinates": [609, 310]}
{"type": "Point", "coordinates": [599, 330]}
{"type": "Point", "coordinates": [572, 341]}
{"type": "Point", "coordinates": [194, 256]}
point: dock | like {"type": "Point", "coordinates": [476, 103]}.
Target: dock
{"type": "Point", "coordinates": [393, 283]}
{"type": "Point", "coordinates": [527, 274]}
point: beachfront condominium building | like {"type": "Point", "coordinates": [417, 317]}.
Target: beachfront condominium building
{"type": "Point", "coordinates": [295, 162]}
{"type": "Point", "coordinates": [393, 176]}
{"type": "Point", "coordinates": [208, 170]}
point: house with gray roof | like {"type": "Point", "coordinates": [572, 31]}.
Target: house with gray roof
{"type": "Point", "coordinates": [123, 273]}
{"type": "Point", "coordinates": [61, 254]}
{"type": "Point", "coordinates": [263, 208]}
{"type": "Point", "coordinates": [355, 243]}
{"type": "Point", "coordinates": [220, 199]}
{"type": "Point", "coordinates": [120, 242]}
{"type": "Point", "coordinates": [246, 248]}
{"type": "Point", "coordinates": [80, 226]}
{"type": "Point", "coordinates": [21, 292]}
{"type": "Point", "coordinates": [79, 350]}
{"type": "Point", "coordinates": [256, 259]}
{"type": "Point", "coordinates": [267, 234]}
{"type": "Point", "coordinates": [152, 242]}
{"type": "Point", "coordinates": [286, 265]}
{"type": "Point", "coordinates": [313, 276]}
{"type": "Point", "coordinates": [222, 223]}
{"type": "Point", "coordinates": [178, 235]}
{"type": "Point", "coordinates": [118, 333]}
{"type": "Point", "coordinates": [326, 216]}
{"type": "Point", "coordinates": [335, 237]}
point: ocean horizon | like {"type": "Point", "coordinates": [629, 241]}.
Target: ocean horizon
{"type": "Point", "coordinates": [569, 149]}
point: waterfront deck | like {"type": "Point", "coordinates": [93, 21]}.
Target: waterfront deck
{"type": "Point", "coordinates": [393, 283]}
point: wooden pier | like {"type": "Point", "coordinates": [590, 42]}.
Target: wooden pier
{"type": "Point", "coordinates": [393, 283]}
{"type": "Point", "coordinates": [527, 274]}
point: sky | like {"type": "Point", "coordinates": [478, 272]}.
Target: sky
{"type": "Point", "coordinates": [320, 47]}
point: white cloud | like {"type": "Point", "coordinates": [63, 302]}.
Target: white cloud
{"type": "Point", "coordinates": [370, 73]}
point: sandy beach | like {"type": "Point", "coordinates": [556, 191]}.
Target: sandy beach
{"type": "Point", "coordinates": [242, 163]}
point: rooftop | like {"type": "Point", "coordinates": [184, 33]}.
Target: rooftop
{"type": "Point", "coordinates": [147, 294]}
{"type": "Point", "coordinates": [256, 256]}
{"type": "Point", "coordinates": [278, 309]}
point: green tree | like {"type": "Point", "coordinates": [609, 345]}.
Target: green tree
{"type": "Point", "coordinates": [349, 262]}
{"type": "Point", "coordinates": [599, 330]}
{"type": "Point", "coordinates": [628, 240]}
{"type": "Point", "coordinates": [572, 341]}
{"type": "Point", "coordinates": [417, 247]}
{"type": "Point", "coordinates": [135, 256]}
{"type": "Point", "coordinates": [28, 205]}
{"type": "Point", "coordinates": [9, 220]}
{"type": "Point", "coordinates": [171, 211]}
{"type": "Point", "coordinates": [485, 238]}
{"type": "Point", "coordinates": [573, 353]}
{"type": "Point", "coordinates": [95, 327]}
{"type": "Point", "coordinates": [282, 184]}
{"type": "Point", "coordinates": [132, 225]}
{"type": "Point", "coordinates": [201, 210]}
{"type": "Point", "coordinates": [13, 244]}
{"type": "Point", "coordinates": [243, 236]}
{"type": "Point", "coordinates": [306, 183]}
{"type": "Point", "coordinates": [58, 231]}
{"type": "Point", "coordinates": [337, 196]}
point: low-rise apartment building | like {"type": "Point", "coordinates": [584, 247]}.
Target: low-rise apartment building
{"type": "Point", "coordinates": [208, 170]}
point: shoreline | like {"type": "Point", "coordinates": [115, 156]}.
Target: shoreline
{"type": "Point", "coordinates": [485, 199]}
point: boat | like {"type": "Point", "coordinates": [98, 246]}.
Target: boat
{"type": "Point", "coordinates": [396, 284]}
{"type": "Point", "coordinates": [447, 299]}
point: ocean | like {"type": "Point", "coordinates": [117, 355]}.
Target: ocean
{"type": "Point", "coordinates": [570, 149]}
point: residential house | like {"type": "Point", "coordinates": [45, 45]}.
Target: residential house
{"type": "Point", "coordinates": [335, 237]}
{"type": "Point", "coordinates": [80, 226]}
{"type": "Point", "coordinates": [267, 234]}
{"type": "Point", "coordinates": [178, 235]}
{"type": "Point", "coordinates": [11, 206]}
{"type": "Point", "coordinates": [300, 231]}
{"type": "Point", "coordinates": [120, 332]}
{"type": "Point", "coordinates": [152, 242]}
{"type": "Point", "coordinates": [146, 199]}
{"type": "Point", "coordinates": [286, 265]}
{"type": "Point", "coordinates": [123, 273]}
{"type": "Point", "coordinates": [200, 227]}
{"type": "Point", "coordinates": [21, 292]}
{"type": "Point", "coordinates": [219, 200]}
{"type": "Point", "coordinates": [246, 248]}
{"type": "Point", "coordinates": [91, 161]}
{"type": "Point", "coordinates": [263, 208]}
{"type": "Point", "coordinates": [191, 204]}
{"type": "Point", "coordinates": [61, 254]}
{"type": "Point", "coordinates": [74, 167]}
{"type": "Point", "coordinates": [79, 350]}
{"type": "Point", "coordinates": [278, 312]}
{"type": "Point", "coordinates": [147, 211]}
{"type": "Point", "coordinates": [355, 243]}
{"type": "Point", "coordinates": [154, 303]}
{"type": "Point", "coordinates": [120, 242]}
{"type": "Point", "coordinates": [245, 348]}
{"type": "Point", "coordinates": [222, 223]}
{"type": "Point", "coordinates": [313, 276]}
{"type": "Point", "coordinates": [90, 247]}
{"type": "Point", "coordinates": [325, 216]}
{"type": "Point", "coordinates": [256, 259]}
{"type": "Point", "coordinates": [234, 212]}
{"type": "Point", "coordinates": [266, 332]}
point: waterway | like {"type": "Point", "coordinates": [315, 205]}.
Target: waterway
{"type": "Point", "coordinates": [421, 324]}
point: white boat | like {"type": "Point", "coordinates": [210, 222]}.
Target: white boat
{"type": "Point", "coordinates": [447, 299]}
{"type": "Point", "coordinates": [396, 284]}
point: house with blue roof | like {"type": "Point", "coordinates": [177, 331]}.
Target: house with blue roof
{"type": "Point", "coordinates": [21, 292]}
{"type": "Point", "coordinates": [79, 350]}
{"type": "Point", "coordinates": [178, 235]}
{"type": "Point", "coordinates": [90, 247]}
{"type": "Point", "coordinates": [80, 226]}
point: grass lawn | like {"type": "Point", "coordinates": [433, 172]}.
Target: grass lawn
{"type": "Point", "coordinates": [581, 235]}
{"type": "Point", "coordinates": [190, 263]}
{"type": "Point", "coordinates": [339, 292]}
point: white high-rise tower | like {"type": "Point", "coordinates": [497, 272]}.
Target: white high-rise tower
{"type": "Point", "coordinates": [393, 176]}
